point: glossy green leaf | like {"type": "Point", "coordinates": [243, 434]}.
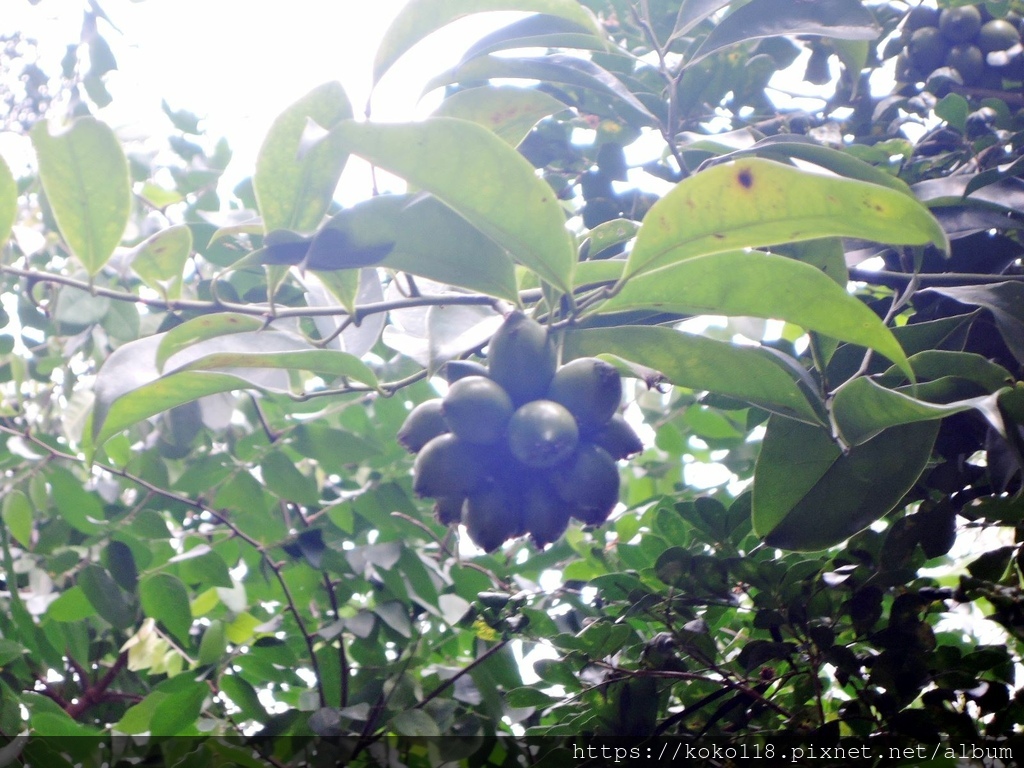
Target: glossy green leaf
{"type": "Point", "coordinates": [109, 600]}
{"type": "Point", "coordinates": [165, 599]}
{"type": "Point", "coordinates": [863, 408]}
{"type": "Point", "coordinates": [8, 201]}
{"type": "Point", "coordinates": [160, 259]}
{"type": "Point", "coordinates": [295, 178]}
{"type": "Point", "coordinates": [18, 515]}
{"type": "Point", "coordinates": [937, 363]}
{"type": "Point", "coordinates": [507, 111]}
{"type": "Point", "coordinates": [556, 68]}
{"type": "Point", "coordinates": [138, 717]}
{"type": "Point", "coordinates": [214, 644]}
{"type": "Point", "coordinates": [421, 17]}
{"type": "Point", "coordinates": [808, 495]}
{"type": "Point", "coordinates": [844, 19]}
{"type": "Point", "coordinates": [537, 31]}
{"type": "Point", "coordinates": [243, 696]}
{"type": "Point", "coordinates": [700, 363]}
{"type": "Point", "coordinates": [85, 176]}
{"type": "Point", "coordinates": [506, 200]}
{"type": "Point", "coordinates": [755, 284]}
{"type": "Point", "coordinates": [752, 202]}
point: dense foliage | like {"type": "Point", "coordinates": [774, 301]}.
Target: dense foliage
{"type": "Point", "coordinates": [816, 305]}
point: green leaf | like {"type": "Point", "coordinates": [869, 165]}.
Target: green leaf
{"type": "Point", "coordinates": [85, 176]}
{"type": "Point", "coordinates": [934, 364]}
{"type": "Point", "coordinates": [72, 606]}
{"type": "Point", "coordinates": [160, 259]}
{"type": "Point", "coordinates": [286, 482]}
{"type": "Point", "coordinates": [415, 722]}
{"type": "Point", "coordinates": [752, 202]}
{"type": "Point", "coordinates": [700, 363]}
{"type": "Point", "coordinates": [165, 599]}
{"type": "Point", "coordinates": [844, 19]}
{"type": "Point", "coordinates": [863, 408]}
{"type": "Point", "coordinates": [129, 387]}
{"type": "Point", "coordinates": [506, 111]}
{"type": "Point", "coordinates": [808, 495]}
{"type": "Point", "coordinates": [137, 718]}
{"type": "Point", "coordinates": [109, 600]}
{"type": "Point", "coordinates": [506, 200]}
{"type": "Point", "coordinates": [552, 68]}
{"type": "Point", "coordinates": [214, 644]}
{"type": "Point", "coordinates": [294, 183]}
{"type": "Point", "coordinates": [755, 284]}
{"type": "Point", "coordinates": [8, 201]}
{"type": "Point", "coordinates": [17, 515]}
{"type": "Point", "coordinates": [1004, 300]}
{"type": "Point", "coordinates": [177, 714]}
{"type": "Point", "coordinates": [79, 508]}
{"type": "Point", "coordinates": [201, 328]}
{"type": "Point", "coordinates": [243, 696]}
{"type": "Point", "coordinates": [421, 17]}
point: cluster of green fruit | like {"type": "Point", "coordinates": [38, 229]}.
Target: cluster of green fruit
{"type": "Point", "coordinates": [982, 50]}
{"type": "Point", "coordinates": [522, 445]}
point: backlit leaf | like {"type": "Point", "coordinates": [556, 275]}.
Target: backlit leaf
{"type": "Point", "coordinates": [160, 259]}
{"type": "Point", "coordinates": [85, 176]}
{"type": "Point", "coordinates": [421, 17]}
{"type": "Point", "coordinates": [294, 184]}
{"type": "Point", "coordinates": [17, 516]}
{"type": "Point", "coordinates": [8, 201]}
{"type": "Point", "coordinates": [480, 177]}
{"type": "Point", "coordinates": [751, 203]}
{"type": "Point", "coordinates": [165, 599]}
{"type": "Point", "coordinates": [507, 111]}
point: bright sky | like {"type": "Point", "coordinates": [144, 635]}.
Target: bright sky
{"type": "Point", "coordinates": [238, 64]}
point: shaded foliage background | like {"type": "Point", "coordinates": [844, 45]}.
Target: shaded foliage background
{"type": "Point", "coordinates": [209, 528]}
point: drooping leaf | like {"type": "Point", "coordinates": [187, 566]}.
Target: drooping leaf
{"type": "Point", "coordinates": [294, 183]}
{"type": "Point", "coordinates": [693, 12]}
{"type": "Point", "coordinates": [177, 714]}
{"type": "Point", "coordinates": [863, 408]}
{"type": "Point", "coordinates": [8, 201]}
{"type": "Point", "coordinates": [480, 177]}
{"type": "Point", "coordinates": [808, 495]}
{"type": "Point", "coordinates": [160, 259]}
{"type": "Point", "coordinates": [80, 508]}
{"type": "Point", "coordinates": [1006, 303]}
{"type": "Point", "coordinates": [165, 599]}
{"type": "Point", "coordinates": [507, 111]}
{"type": "Point", "coordinates": [755, 284]}
{"type": "Point", "coordinates": [552, 68]}
{"type": "Point", "coordinates": [537, 31]}
{"type": "Point", "coordinates": [85, 176]}
{"type": "Point", "coordinates": [700, 363]}
{"type": "Point", "coordinates": [844, 19]}
{"type": "Point", "coordinates": [421, 17]}
{"type": "Point", "coordinates": [751, 203]}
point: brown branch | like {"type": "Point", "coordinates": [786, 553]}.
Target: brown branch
{"type": "Point", "coordinates": [96, 692]}
{"type": "Point", "coordinates": [465, 670]}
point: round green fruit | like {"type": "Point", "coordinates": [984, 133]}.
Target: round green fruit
{"type": "Point", "coordinates": [460, 369]}
{"type": "Point", "coordinates": [521, 358]}
{"type": "Point", "coordinates": [477, 410]}
{"type": "Point", "coordinates": [589, 483]}
{"type": "Point", "coordinates": [997, 35]}
{"type": "Point", "coordinates": [926, 49]}
{"type": "Point", "coordinates": [424, 423]}
{"type": "Point", "coordinates": [968, 60]}
{"type": "Point", "coordinates": [542, 433]}
{"type": "Point", "coordinates": [492, 515]}
{"type": "Point", "coordinates": [590, 389]}
{"type": "Point", "coordinates": [618, 438]}
{"type": "Point", "coordinates": [448, 466]}
{"type": "Point", "coordinates": [545, 514]}
{"type": "Point", "coordinates": [961, 24]}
